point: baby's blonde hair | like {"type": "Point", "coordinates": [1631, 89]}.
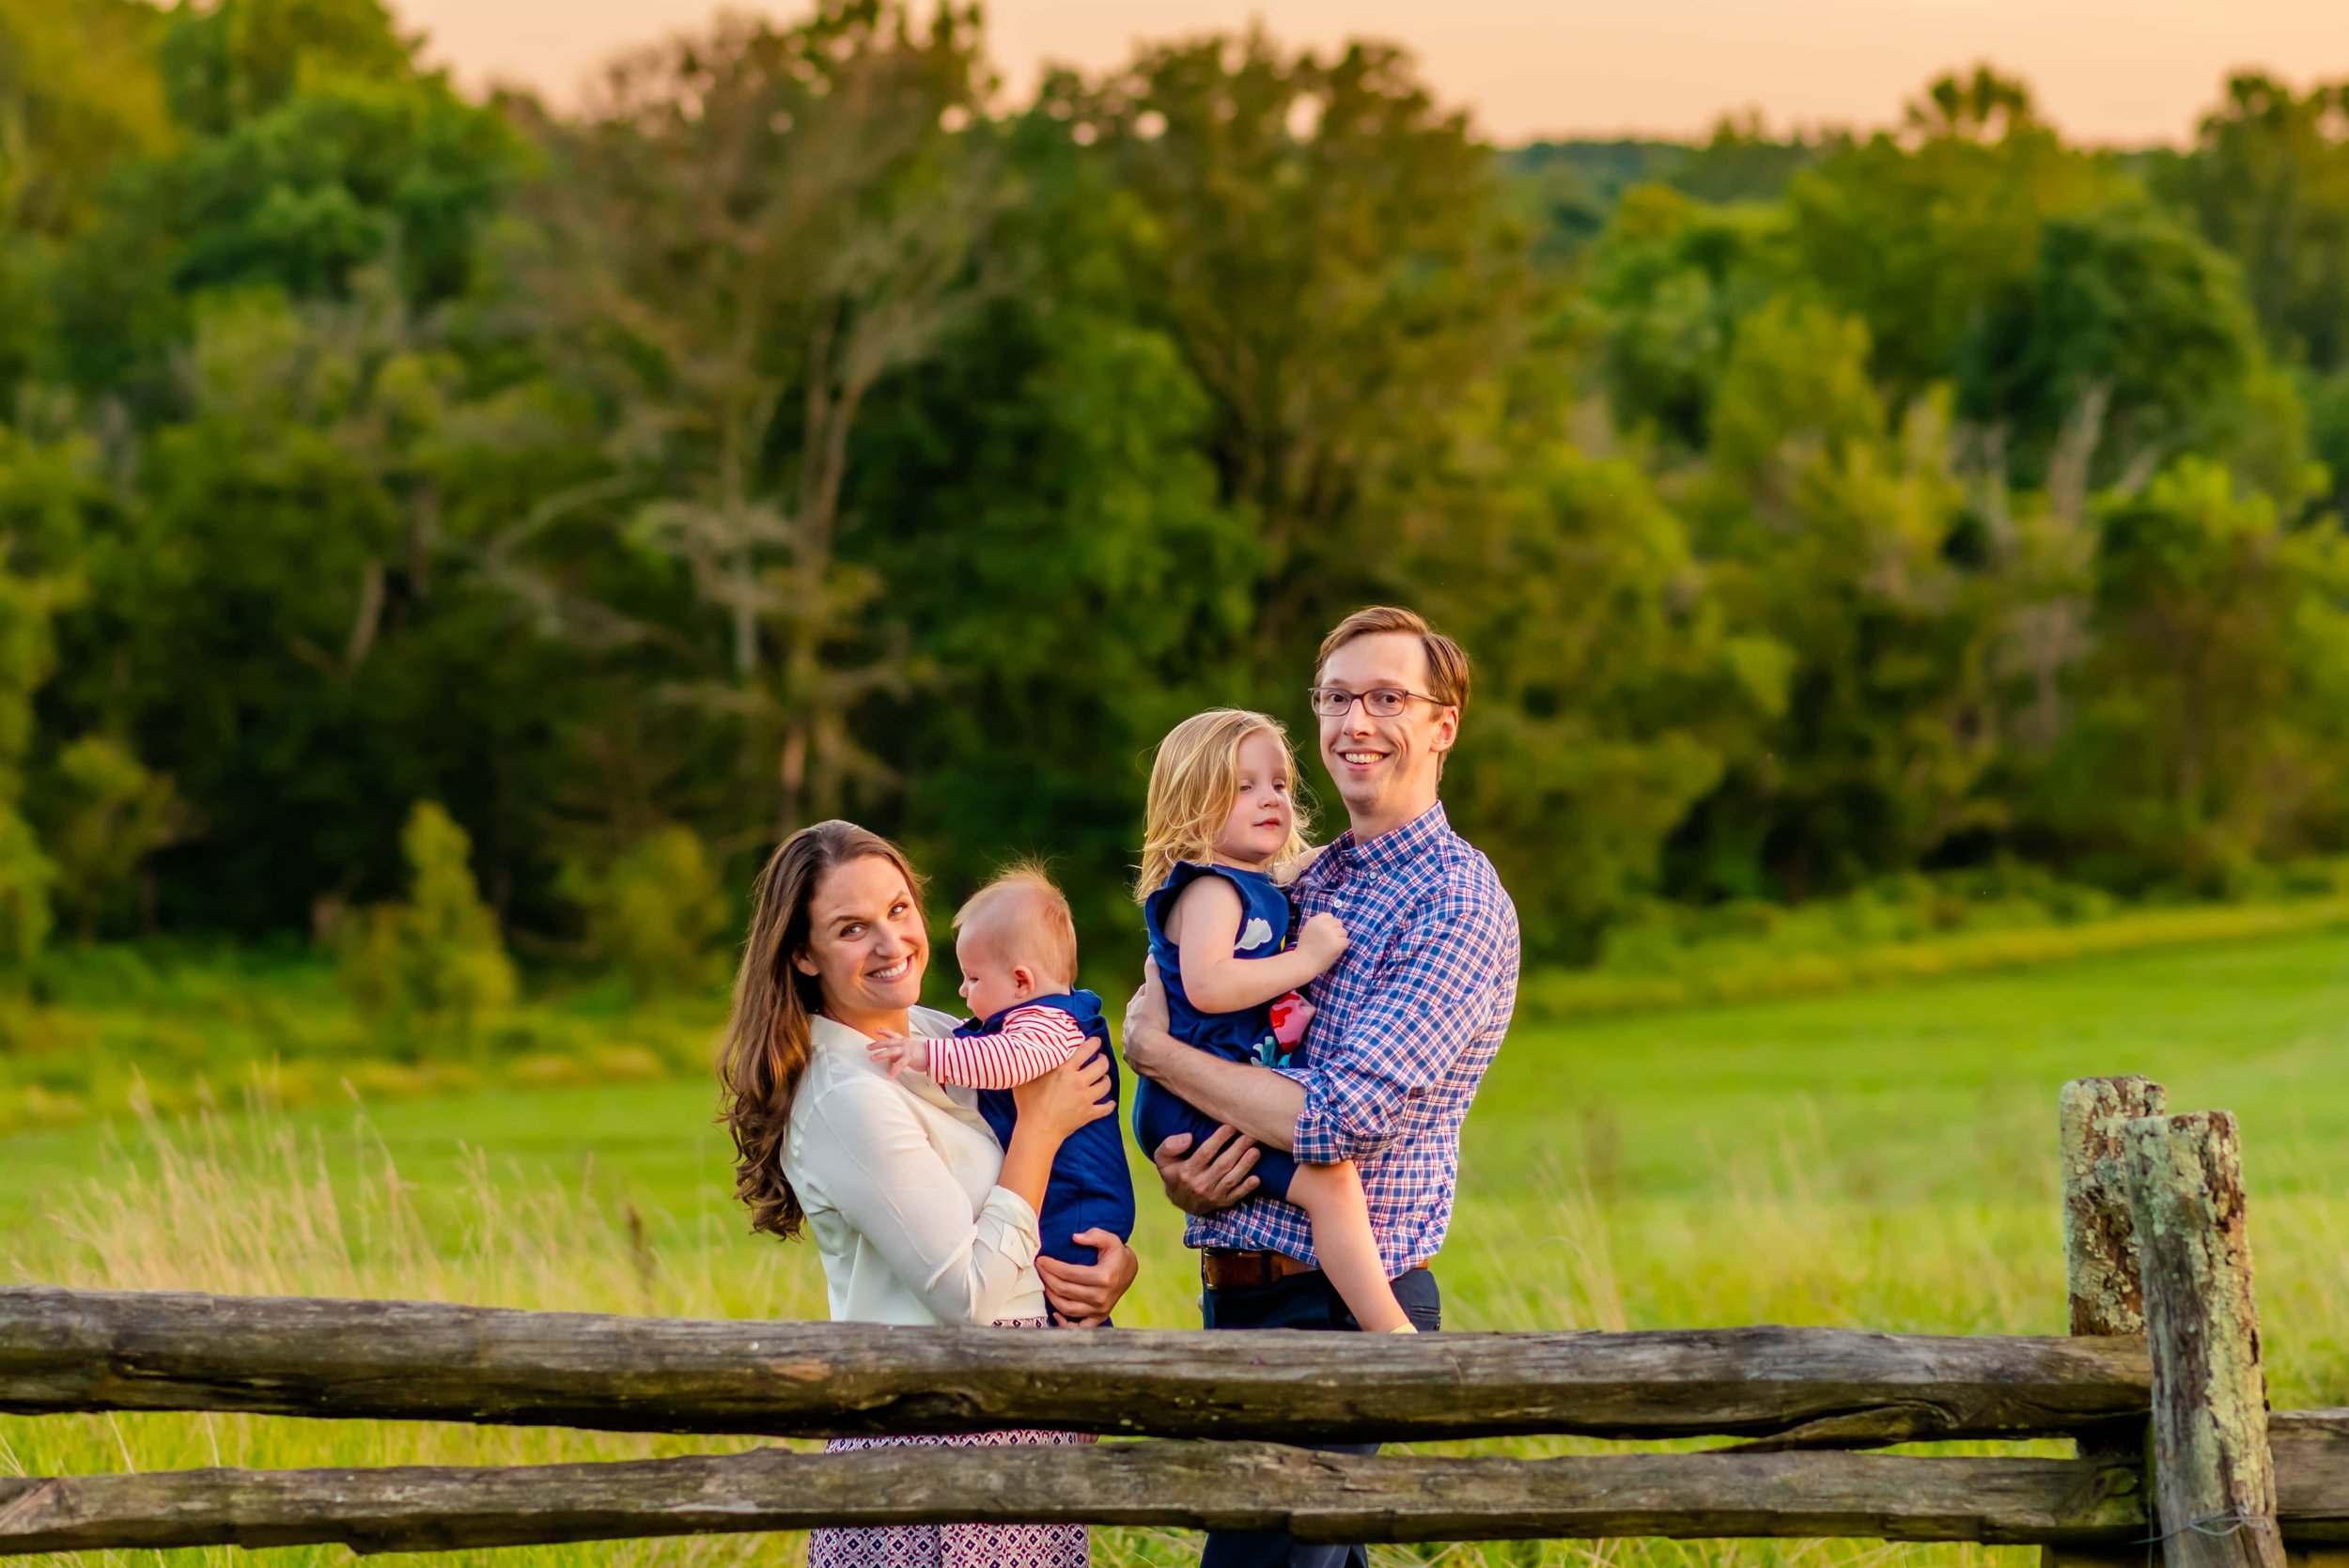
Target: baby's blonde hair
{"type": "Point", "coordinates": [1024, 911]}
{"type": "Point", "coordinates": [1193, 783]}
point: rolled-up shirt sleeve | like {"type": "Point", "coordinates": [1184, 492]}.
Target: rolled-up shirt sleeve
{"type": "Point", "coordinates": [1435, 992]}
{"type": "Point", "coordinates": [886, 1178]}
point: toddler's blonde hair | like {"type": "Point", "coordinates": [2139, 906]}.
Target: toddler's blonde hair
{"type": "Point", "coordinates": [1026, 912]}
{"type": "Point", "coordinates": [1193, 782]}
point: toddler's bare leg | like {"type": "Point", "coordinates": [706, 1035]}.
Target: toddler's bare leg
{"type": "Point", "coordinates": [1331, 1197]}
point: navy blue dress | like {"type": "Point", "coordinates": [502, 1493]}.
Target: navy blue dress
{"type": "Point", "coordinates": [1266, 927]}
{"type": "Point", "coordinates": [1090, 1184]}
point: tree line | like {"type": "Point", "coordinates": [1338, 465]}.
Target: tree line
{"type": "Point", "coordinates": [798, 428]}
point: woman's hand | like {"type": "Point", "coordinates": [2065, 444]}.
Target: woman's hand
{"type": "Point", "coordinates": [1085, 1295]}
{"type": "Point", "coordinates": [1067, 1097]}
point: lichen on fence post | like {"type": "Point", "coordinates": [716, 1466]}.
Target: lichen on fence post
{"type": "Point", "coordinates": [2100, 1265]}
{"type": "Point", "coordinates": [2100, 1262]}
{"type": "Point", "coordinates": [2213, 1477]}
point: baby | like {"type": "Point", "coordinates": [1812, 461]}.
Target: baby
{"type": "Point", "coordinates": [1017, 945]}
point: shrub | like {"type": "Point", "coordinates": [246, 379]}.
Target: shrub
{"type": "Point", "coordinates": [27, 877]}
{"type": "Point", "coordinates": [656, 913]}
{"type": "Point", "coordinates": [112, 811]}
{"type": "Point", "coordinates": [433, 964]}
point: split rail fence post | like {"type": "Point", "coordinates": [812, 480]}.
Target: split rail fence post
{"type": "Point", "coordinates": [2100, 1259]}
{"type": "Point", "coordinates": [2213, 1477]}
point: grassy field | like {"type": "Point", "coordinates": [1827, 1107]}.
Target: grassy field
{"type": "Point", "coordinates": [1883, 1158]}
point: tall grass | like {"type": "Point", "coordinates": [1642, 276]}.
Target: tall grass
{"type": "Point", "coordinates": [1883, 1158]}
{"type": "Point", "coordinates": [251, 1204]}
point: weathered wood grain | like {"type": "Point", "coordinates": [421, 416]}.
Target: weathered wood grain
{"type": "Point", "coordinates": [76, 1350]}
{"type": "Point", "coordinates": [2311, 1454]}
{"type": "Point", "coordinates": [2100, 1262]}
{"type": "Point", "coordinates": [2213, 1479]}
{"type": "Point", "coordinates": [1313, 1496]}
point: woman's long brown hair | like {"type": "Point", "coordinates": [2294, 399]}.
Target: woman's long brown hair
{"type": "Point", "coordinates": [768, 1040]}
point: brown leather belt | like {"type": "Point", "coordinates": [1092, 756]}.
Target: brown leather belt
{"type": "Point", "coordinates": [1224, 1269]}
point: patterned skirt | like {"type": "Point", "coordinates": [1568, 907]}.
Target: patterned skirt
{"type": "Point", "coordinates": [955, 1545]}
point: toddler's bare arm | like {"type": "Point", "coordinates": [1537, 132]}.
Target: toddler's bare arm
{"type": "Point", "coordinates": [1206, 917]}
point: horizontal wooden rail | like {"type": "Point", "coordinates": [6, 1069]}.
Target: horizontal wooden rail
{"type": "Point", "coordinates": [93, 1350]}
{"type": "Point", "coordinates": [1315, 1496]}
{"type": "Point", "coordinates": [2311, 1450]}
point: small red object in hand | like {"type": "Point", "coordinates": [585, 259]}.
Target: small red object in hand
{"type": "Point", "coordinates": [1290, 1014]}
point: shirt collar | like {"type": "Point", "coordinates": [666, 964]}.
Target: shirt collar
{"type": "Point", "coordinates": [1390, 850]}
{"type": "Point", "coordinates": [829, 1033]}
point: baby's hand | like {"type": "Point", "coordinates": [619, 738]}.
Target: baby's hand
{"type": "Point", "coordinates": [1323, 940]}
{"type": "Point", "coordinates": [898, 1052]}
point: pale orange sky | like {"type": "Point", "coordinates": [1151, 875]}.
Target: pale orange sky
{"type": "Point", "coordinates": [2126, 71]}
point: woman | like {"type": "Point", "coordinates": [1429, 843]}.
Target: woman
{"type": "Point", "coordinates": [918, 1213]}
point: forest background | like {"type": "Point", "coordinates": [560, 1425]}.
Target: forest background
{"type": "Point", "coordinates": [437, 530]}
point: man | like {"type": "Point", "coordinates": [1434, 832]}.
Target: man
{"type": "Point", "coordinates": [1404, 1024]}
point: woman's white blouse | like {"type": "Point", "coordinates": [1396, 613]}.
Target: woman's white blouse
{"type": "Point", "coordinates": [897, 1179]}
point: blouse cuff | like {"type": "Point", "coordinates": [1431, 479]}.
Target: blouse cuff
{"type": "Point", "coordinates": [1009, 1227]}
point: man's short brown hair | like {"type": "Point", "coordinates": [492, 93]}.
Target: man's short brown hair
{"type": "Point", "coordinates": [1447, 664]}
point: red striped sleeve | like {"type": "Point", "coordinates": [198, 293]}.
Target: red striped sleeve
{"type": "Point", "coordinates": [1033, 1041]}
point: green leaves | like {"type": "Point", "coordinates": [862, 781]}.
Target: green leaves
{"type": "Point", "coordinates": [430, 967]}
{"type": "Point", "coordinates": [796, 431]}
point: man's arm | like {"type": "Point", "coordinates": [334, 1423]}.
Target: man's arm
{"type": "Point", "coordinates": [1256, 1100]}
{"type": "Point", "coordinates": [1432, 999]}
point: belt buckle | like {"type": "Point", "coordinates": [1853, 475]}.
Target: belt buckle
{"type": "Point", "coordinates": [1240, 1268]}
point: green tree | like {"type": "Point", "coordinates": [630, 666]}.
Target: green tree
{"type": "Point", "coordinates": [1042, 505]}
{"type": "Point", "coordinates": [79, 96]}
{"type": "Point", "coordinates": [110, 812]}
{"type": "Point", "coordinates": [48, 491]}
{"type": "Point", "coordinates": [273, 613]}
{"type": "Point", "coordinates": [1671, 279]}
{"type": "Point", "coordinates": [1331, 251]}
{"type": "Point", "coordinates": [432, 965]}
{"type": "Point", "coordinates": [758, 227]}
{"type": "Point", "coordinates": [1918, 233]}
{"type": "Point", "coordinates": [656, 913]}
{"type": "Point", "coordinates": [1843, 536]}
{"type": "Point", "coordinates": [2268, 183]}
{"type": "Point", "coordinates": [2125, 322]}
{"type": "Point", "coordinates": [2211, 736]}
{"type": "Point", "coordinates": [310, 151]}
{"type": "Point", "coordinates": [1610, 690]}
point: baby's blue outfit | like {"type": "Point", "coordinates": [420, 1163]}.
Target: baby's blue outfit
{"type": "Point", "coordinates": [1090, 1184]}
{"type": "Point", "coordinates": [1265, 928]}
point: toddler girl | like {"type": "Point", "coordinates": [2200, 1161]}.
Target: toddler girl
{"type": "Point", "coordinates": [1221, 820]}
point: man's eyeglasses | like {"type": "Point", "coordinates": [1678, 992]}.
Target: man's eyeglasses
{"type": "Point", "coordinates": [1379, 702]}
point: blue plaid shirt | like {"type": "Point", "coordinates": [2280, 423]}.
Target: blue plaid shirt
{"type": "Point", "coordinates": [1404, 1026]}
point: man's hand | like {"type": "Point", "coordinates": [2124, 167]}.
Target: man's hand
{"type": "Point", "coordinates": [1144, 1038]}
{"type": "Point", "coordinates": [1085, 1295]}
{"type": "Point", "coordinates": [1209, 1178]}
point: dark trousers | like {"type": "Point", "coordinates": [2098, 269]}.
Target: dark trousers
{"type": "Point", "coordinates": [1303, 1301]}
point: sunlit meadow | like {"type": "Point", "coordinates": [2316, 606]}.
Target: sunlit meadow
{"type": "Point", "coordinates": [1883, 1159]}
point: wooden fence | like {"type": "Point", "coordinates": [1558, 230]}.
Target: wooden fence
{"type": "Point", "coordinates": [2158, 1387]}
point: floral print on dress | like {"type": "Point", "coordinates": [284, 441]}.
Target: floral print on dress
{"type": "Point", "coordinates": [956, 1545]}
